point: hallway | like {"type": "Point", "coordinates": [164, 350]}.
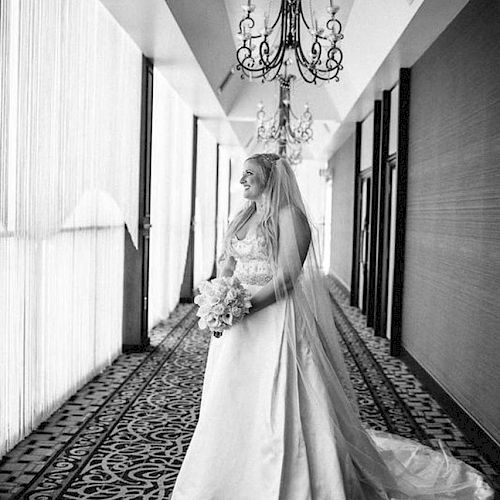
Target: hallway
{"type": "Point", "coordinates": [127, 131]}
{"type": "Point", "coordinates": [124, 434]}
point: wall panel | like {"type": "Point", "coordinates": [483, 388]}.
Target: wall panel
{"type": "Point", "coordinates": [342, 164]}
{"type": "Point", "coordinates": [452, 274]}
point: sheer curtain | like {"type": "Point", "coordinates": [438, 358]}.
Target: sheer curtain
{"type": "Point", "coordinates": [204, 239]}
{"type": "Point", "coordinates": [69, 144]}
{"type": "Point", "coordinates": [223, 190]}
{"type": "Point", "coordinates": [171, 169]}
{"type": "Point", "coordinates": [236, 200]}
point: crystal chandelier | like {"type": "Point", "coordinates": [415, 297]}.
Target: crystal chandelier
{"type": "Point", "coordinates": [262, 55]}
{"type": "Point", "coordinates": [279, 131]}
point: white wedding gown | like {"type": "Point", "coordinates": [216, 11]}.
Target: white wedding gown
{"type": "Point", "coordinates": [256, 439]}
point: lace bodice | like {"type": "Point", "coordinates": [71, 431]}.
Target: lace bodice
{"type": "Point", "coordinates": [252, 265]}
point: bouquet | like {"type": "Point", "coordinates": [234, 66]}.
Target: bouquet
{"type": "Point", "coordinates": [223, 302]}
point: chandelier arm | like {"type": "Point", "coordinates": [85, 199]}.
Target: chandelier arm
{"type": "Point", "coordinates": [243, 54]}
{"type": "Point", "coordinates": [299, 55]}
{"type": "Point", "coordinates": [266, 64]}
{"type": "Point", "coordinates": [332, 65]}
{"type": "Point", "coordinates": [316, 50]}
{"type": "Point", "coordinates": [280, 13]}
{"type": "Point", "coordinates": [306, 73]}
{"type": "Point", "coordinates": [264, 52]}
{"type": "Point", "coordinates": [292, 114]}
{"type": "Point", "coordinates": [311, 65]}
{"type": "Point", "coordinates": [247, 66]}
{"type": "Point", "coordinates": [274, 65]}
{"type": "Point", "coordinates": [333, 24]}
{"type": "Point", "coordinates": [331, 55]}
{"type": "Point", "coordinates": [247, 19]}
{"type": "Point", "coordinates": [277, 60]}
{"type": "Point", "coordinates": [302, 16]}
{"type": "Point", "coordinates": [304, 65]}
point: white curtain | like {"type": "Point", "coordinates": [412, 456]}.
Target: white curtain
{"type": "Point", "coordinates": [223, 189]}
{"type": "Point", "coordinates": [69, 144]}
{"type": "Point", "coordinates": [171, 171]}
{"type": "Point", "coordinates": [204, 239]}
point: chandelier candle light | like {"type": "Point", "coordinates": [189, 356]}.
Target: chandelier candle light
{"type": "Point", "coordinates": [279, 129]}
{"type": "Point", "coordinates": [266, 59]}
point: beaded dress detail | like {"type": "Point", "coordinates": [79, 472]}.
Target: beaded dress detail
{"type": "Point", "coordinates": [252, 263]}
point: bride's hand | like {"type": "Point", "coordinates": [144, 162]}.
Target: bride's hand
{"type": "Point", "coordinates": [252, 307]}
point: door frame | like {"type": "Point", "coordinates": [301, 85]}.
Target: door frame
{"type": "Point", "coordinates": [216, 218]}
{"type": "Point", "coordinates": [385, 242]}
{"type": "Point", "coordinates": [363, 243]}
{"type": "Point", "coordinates": [145, 190]}
{"type": "Point", "coordinates": [136, 258]}
{"type": "Point", "coordinates": [381, 283]}
{"type": "Point", "coordinates": [402, 179]}
{"type": "Point", "coordinates": [354, 299]}
{"type": "Point", "coordinates": [374, 216]}
{"type": "Point", "coordinates": [187, 287]}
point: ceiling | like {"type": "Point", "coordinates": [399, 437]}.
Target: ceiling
{"type": "Point", "coordinates": [193, 43]}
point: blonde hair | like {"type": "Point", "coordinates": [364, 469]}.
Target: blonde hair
{"type": "Point", "coordinates": [274, 199]}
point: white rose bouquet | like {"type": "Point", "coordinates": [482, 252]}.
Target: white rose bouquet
{"type": "Point", "coordinates": [223, 302]}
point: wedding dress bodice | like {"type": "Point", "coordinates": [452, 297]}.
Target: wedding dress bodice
{"type": "Point", "coordinates": [252, 264]}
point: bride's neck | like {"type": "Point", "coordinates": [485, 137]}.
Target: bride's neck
{"type": "Point", "coordinates": [259, 207]}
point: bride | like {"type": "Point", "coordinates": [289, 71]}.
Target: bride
{"type": "Point", "coordinates": [278, 417]}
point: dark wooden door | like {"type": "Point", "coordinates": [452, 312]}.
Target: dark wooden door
{"type": "Point", "coordinates": [387, 253]}
{"type": "Point", "coordinates": [365, 187]}
{"type": "Point", "coordinates": [145, 192]}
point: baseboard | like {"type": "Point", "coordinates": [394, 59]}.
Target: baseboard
{"type": "Point", "coordinates": [340, 283]}
{"type": "Point", "coordinates": [128, 348]}
{"type": "Point", "coordinates": [481, 439]}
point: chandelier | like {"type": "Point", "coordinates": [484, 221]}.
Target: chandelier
{"type": "Point", "coordinates": [286, 135]}
{"type": "Point", "coordinates": [262, 56]}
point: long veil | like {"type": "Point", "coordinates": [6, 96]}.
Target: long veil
{"type": "Point", "coordinates": [374, 466]}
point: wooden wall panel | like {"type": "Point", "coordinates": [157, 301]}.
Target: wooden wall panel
{"type": "Point", "coordinates": [451, 313]}
{"type": "Point", "coordinates": [393, 132]}
{"type": "Point", "coordinates": [367, 142]}
{"type": "Point", "coordinates": [342, 164]}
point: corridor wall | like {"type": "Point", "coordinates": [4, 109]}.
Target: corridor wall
{"type": "Point", "coordinates": [171, 166]}
{"type": "Point", "coordinates": [452, 274]}
{"type": "Point", "coordinates": [69, 160]}
{"type": "Point", "coordinates": [342, 166]}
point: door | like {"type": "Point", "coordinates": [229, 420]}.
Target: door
{"type": "Point", "coordinates": [365, 186]}
{"type": "Point", "coordinates": [388, 250]}
{"type": "Point", "coordinates": [145, 192]}
{"type": "Point", "coordinates": [392, 247]}
{"type": "Point", "coordinates": [136, 261]}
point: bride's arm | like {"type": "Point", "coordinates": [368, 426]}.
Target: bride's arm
{"type": "Point", "coordinates": [294, 241]}
{"type": "Point", "coordinates": [228, 268]}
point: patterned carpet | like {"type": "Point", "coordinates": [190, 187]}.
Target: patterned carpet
{"type": "Point", "coordinates": [124, 435]}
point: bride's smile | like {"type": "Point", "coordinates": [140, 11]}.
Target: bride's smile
{"type": "Point", "coordinates": [252, 180]}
